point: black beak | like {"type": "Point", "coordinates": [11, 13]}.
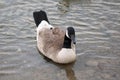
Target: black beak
{"type": "Point", "coordinates": [73, 39]}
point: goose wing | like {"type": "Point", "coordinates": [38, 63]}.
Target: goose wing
{"type": "Point", "coordinates": [53, 41]}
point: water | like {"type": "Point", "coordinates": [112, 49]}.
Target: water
{"type": "Point", "coordinates": [97, 26]}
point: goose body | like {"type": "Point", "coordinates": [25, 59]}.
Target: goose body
{"type": "Point", "coordinates": [53, 42]}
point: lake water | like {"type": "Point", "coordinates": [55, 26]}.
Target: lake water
{"type": "Point", "coordinates": [97, 26]}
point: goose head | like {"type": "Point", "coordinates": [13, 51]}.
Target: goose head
{"type": "Point", "coordinates": [69, 38]}
{"type": "Point", "coordinates": [70, 33]}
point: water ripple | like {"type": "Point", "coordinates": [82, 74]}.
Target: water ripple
{"type": "Point", "coordinates": [97, 26]}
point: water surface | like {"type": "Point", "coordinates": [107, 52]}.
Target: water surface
{"type": "Point", "coordinates": [97, 26]}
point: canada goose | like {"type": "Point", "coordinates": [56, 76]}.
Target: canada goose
{"type": "Point", "coordinates": [53, 42]}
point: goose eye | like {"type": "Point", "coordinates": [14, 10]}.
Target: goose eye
{"type": "Point", "coordinates": [51, 28]}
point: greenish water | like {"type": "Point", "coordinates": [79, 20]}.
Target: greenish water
{"type": "Point", "coordinates": [97, 26]}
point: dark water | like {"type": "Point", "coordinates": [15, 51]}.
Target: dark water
{"type": "Point", "coordinates": [97, 25]}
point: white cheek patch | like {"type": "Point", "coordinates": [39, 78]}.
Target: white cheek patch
{"type": "Point", "coordinates": [67, 34]}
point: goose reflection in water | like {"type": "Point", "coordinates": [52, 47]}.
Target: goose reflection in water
{"type": "Point", "coordinates": [70, 74]}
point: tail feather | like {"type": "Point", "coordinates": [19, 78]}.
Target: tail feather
{"type": "Point", "coordinates": [39, 16]}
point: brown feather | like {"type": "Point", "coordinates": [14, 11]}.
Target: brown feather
{"type": "Point", "coordinates": [52, 40]}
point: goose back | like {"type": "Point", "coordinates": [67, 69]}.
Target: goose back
{"type": "Point", "coordinates": [50, 41]}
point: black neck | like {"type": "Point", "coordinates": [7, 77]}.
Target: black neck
{"type": "Point", "coordinates": [67, 42]}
